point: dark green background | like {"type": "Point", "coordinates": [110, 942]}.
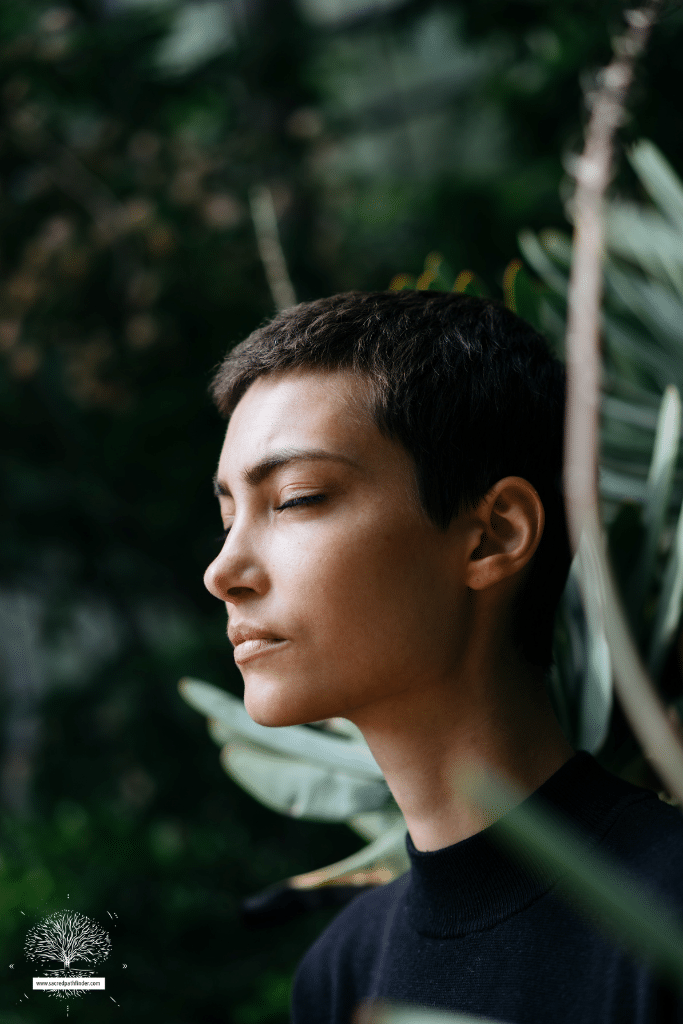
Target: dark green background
{"type": "Point", "coordinates": [128, 265]}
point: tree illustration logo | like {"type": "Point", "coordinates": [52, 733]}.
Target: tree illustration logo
{"type": "Point", "coordinates": [70, 939]}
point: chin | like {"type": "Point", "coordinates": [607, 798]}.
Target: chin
{"type": "Point", "coordinates": [273, 709]}
{"type": "Point", "coordinates": [277, 702]}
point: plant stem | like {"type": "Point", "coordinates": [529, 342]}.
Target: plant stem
{"type": "Point", "coordinates": [641, 705]}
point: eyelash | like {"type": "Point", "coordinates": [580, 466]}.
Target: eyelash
{"type": "Point", "coordinates": [306, 499]}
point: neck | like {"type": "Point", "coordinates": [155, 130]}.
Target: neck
{"type": "Point", "coordinates": [425, 737]}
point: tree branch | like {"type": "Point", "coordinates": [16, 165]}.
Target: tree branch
{"type": "Point", "coordinates": [269, 246]}
{"type": "Point", "coordinates": [638, 697]}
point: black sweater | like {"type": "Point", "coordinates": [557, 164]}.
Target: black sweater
{"type": "Point", "coordinates": [467, 929]}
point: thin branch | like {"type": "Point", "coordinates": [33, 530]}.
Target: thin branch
{"type": "Point", "coordinates": [641, 705]}
{"type": "Point", "coordinates": [269, 246]}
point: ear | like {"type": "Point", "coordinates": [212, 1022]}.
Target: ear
{"type": "Point", "coordinates": [507, 529]}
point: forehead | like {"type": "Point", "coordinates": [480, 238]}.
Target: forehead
{"type": "Point", "coordinates": [302, 407]}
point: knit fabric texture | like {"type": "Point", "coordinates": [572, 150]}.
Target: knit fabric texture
{"type": "Point", "coordinates": [472, 929]}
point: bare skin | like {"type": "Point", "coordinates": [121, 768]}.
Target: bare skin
{"type": "Point", "coordinates": [344, 599]}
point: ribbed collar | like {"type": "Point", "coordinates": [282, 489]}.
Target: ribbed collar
{"type": "Point", "coordinates": [474, 884]}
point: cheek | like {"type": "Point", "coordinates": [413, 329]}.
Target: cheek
{"type": "Point", "coordinates": [368, 591]}
{"type": "Point", "coordinates": [322, 582]}
{"type": "Point", "coordinates": [369, 615]}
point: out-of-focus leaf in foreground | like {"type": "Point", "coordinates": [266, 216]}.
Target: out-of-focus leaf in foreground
{"type": "Point", "coordinates": [390, 1013]}
{"type": "Point", "coordinates": [635, 916]}
{"type": "Point", "coordinates": [294, 786]}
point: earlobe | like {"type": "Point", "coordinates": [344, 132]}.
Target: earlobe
{"type": "Point", "coordinates": [509, 526]}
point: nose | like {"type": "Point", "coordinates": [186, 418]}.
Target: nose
{"type": "Point", "coordinates": [236, 571]}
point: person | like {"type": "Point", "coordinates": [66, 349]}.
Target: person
{"type": "Point", "coordinates": [395, 548]}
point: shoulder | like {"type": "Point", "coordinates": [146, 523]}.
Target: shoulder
{"type": "Point", "coordinates": [338, 968]}
{"type": "Point", "coordinates": [646, 834]}
{"type": "Point", "coordinates": [356, 931]}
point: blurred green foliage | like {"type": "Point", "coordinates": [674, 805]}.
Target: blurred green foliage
{"type": "Point", "coordinates": [128, 264]}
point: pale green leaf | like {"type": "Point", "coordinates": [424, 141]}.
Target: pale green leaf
{"type": "Point", "coordinates": [637, 347]}
{"type": "Point", "coordinates": [643, 395]}
{"type": "Point", "coordinates": [597, 694]}
{"type": "Point", "coordinates": [629, 412]}
{"type": "Point", "coordinates": [584, 672]}
{"type": "Point", "coordinates": [388, 850]}
{"type": "Point", "coordinates": [297, 741]}
{"type": "Point", "coordinates": [553, 323]}
{"type": "Point", "coordinates": [655, 306]}
{"type": "Point", "coordinates": [343, 727]}
{"type": "Point", "coordinates": [538, 260]}
{"type": "Point", "coordinates": [371, 824]}
{"type": "Point", "coordinates": [620, 486]}
{"type": "Point", "coordinates": [219, 732]}
{"type": "Point", "coordinates": [302, 790]}
{"type": "Point", "coordinates": [664, 455]}
{"type": "Point", "coordinates": [395, 1013]}
{"type": "Point", "coordinates": [659, 179]}
{"type": "Point", "coordinates": [658, 495]}
{"type": "Point", "coordinates": [558, 245]}
{"type": "Point", "coordinates": [624, 446]}
{"type": "Point", "coordinates": [670, 603]}
{"type": "Point", "coordinates": [644, 238]}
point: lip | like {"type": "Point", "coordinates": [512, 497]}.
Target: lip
{"type": "Point", "coordinates": [251, 641]}
{"type": "Point", "coordinates": [256, 647]}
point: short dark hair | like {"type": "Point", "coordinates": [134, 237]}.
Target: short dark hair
{"type": "Point", "coordinates": [469, 388]}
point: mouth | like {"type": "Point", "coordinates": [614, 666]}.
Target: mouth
{"type": "Point", "coordinates": [256, 648]}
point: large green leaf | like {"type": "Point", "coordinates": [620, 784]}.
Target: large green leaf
{"type": "Point", "coordinates": [297, 741]}
{"type": "Point", "coordinates": [298, 788]}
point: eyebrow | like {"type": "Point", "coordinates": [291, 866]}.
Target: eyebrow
{"type": "Point", "coordinates": [256, 474]}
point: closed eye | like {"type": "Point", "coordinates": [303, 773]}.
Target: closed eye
{"type": "Point", "coordinates": [305, 499]}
